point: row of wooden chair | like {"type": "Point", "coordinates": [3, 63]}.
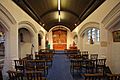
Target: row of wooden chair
{"type": "Point", "coordinates": [98, 76]}
{"type": "Point", "coordinates": [28, 75]}
{"type": "Point", "coordinates": [31, 65]}
{"type": "Point", "coordinates": [48, 57]}
{"type": "Point", "coordinates": [46, 50]}
{"type": "Point", "coordinates": [89, 65]}
{"type": "Point", "coordinates": [40, 63]}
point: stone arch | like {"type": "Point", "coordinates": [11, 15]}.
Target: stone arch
{"type": "Point", "coordinates": [27, 25]}
{"type": "Point", "coordinates": [29, 45]}
{"type": "Point", "coordinates": [6, 21]}
{"type": "Point", "coordinates": [41, 34]}
{"type": "Point", "coordinates": [88, 26]}
{"type": "Point", "coordinates": [59, 26]}
{"type": "Point", "coordinates": [4, 11]}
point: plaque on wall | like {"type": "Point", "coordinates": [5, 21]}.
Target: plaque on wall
{"type": "Point", "coordinates": [103, 44]}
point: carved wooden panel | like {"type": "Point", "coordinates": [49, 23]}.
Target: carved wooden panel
{"type": "Point", "coordinates": [59, 39]}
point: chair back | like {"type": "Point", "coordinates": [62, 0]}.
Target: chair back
{"type": "Point", "coordinates": [101, 65]}
{"type": "Point", "coordinates": [113, 76]}
{"type": "Point", "coordinates": [34, 75]}
{"type": "Point", "coordinates": [15, 75]}
{"type": "Point", "coordinates": [20, 64]}
{"type": "Point", "coordinates": [89, 66]}
{"type": "Point", "coordinates": [28, 75]}
{"type": "Point", "coordinates": [93, 56]}
{"type": "Point", "coordinates": [101, 62]}
{"type": "Point", "coordinates": [29, 56]}
{"type": "Point", "coordinates": [96, 76]}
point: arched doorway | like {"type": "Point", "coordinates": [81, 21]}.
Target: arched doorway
{"type": "Point", "coordinates": [25, 42]}
{"type": "Point", "coordinates": [27, 38]}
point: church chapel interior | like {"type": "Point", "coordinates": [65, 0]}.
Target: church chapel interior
{"type": "Point", "coordinates": [59, 39]}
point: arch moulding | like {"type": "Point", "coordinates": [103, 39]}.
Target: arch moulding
{"type": "Point", "coordinates": [41, 34]}
{"type": "Point", "coordinates": [4, 11]}
{"type": "Point", "coordinates": [112, 18]}
{"type": "Point", "coordinates": [27, 25]}
{"type": "Point", "coordinates": [87, 26]}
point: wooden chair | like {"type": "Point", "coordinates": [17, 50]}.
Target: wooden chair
{"type": "Point", "coordinates": [49, 58]}
{"type": "Point", "coordinates": [84, 52]}
{"type": "Point", "coordinates": [41, 56]}
{"type": "Point", "coordinates": [41, 66]}
{"type": "Point", "coordinates": [93, 56]}
{"type": "Point", "coordinates": [20, 64]}
{"type": "Point", "coordinates": [29, 56]}
{"type": "Point", "coordinates": [96, 76]}
{"type": "Point", "coordinates": [113, 76]}
{"type": "Point", "coordinates": [37, 65]}
{"type": "Point", "coordinates": [30, 65]}
{"type": "Point", "coordinates": [34, 75]}
{"type": "Point", "coordinates": [89, 66]}
{"type": "Point", "coordinates": [75, 65]}
{"type": "Point", "coordinates": [15, 75]}
{"type": "Point", "coordinates": [85, 56]}
{"type": "Point", "coordinates": [27, 75]}
{"type": "Point", "coordinates": [100, 65]}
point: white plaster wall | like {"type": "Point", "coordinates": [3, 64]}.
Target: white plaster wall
{"type": "Point", "coordinates": [91, 48]}
{"type": "Point", "coordinates": [25, 46]}
{"type": "Point", "coordinates": [103, 38]}
{"type": "Point", "coordinates": [115, 57]}
{"type": "Point", "coordinates": [50, 39]}
{"type": "Point", "coordinates": [69, 39]}
{"type": "Point", "coordinates": [25, 49]}
{"type": "Point", "coordinates": [114, 51]}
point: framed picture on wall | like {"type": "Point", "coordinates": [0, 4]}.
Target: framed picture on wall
{"type": "Point", "coordinates": [116, 36]}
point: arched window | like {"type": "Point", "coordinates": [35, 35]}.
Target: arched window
{"type": "Point", "coordinates": [94, 35]}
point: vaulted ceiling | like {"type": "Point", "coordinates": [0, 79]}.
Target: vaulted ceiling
{"type": "Point", "coordinates": [72, 12]}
